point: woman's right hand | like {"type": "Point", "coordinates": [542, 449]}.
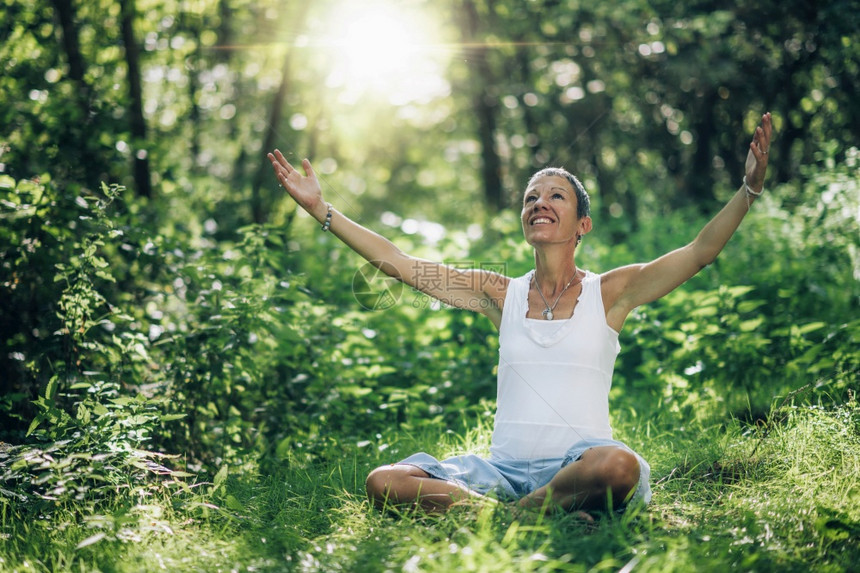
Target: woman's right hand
{"type": "Point", "coordinates": [304, 189]}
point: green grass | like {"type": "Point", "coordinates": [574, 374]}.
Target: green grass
{"type": "Point", "coordinates": [780, 496]}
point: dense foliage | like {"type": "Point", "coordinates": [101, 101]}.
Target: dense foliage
{"type": "Point", "coordinates": [171, 329]}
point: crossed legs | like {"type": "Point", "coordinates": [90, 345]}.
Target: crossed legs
{"type": "Point", "coordinates": [405, 485]}
{"type": "Point", "coordinates": [605, 476]}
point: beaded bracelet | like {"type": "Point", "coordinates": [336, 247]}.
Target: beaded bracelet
{"type": "Point", "coordinates": [327, 223]}
{"type": "Point", "coordinates": [749, 189]}
{"type": "Point", "coordinates": [750, 193]}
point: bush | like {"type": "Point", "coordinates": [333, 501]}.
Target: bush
{"type": "Point", "coordinates": [85, 441]}
{"type": "Point", "coordinates": [260, 347]}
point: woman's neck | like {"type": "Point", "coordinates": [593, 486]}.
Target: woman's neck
{"type": "Point", "coordinates": [554, 269]}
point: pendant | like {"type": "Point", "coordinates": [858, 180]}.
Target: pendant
{"type": "Point", "coordinates": [547, 314]}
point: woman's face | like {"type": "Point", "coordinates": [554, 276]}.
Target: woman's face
{"type": "Point", "coordinates": [549, 212]}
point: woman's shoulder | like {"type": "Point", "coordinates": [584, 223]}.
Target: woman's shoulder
{"type": "Point", "coordinates": [612, 288]}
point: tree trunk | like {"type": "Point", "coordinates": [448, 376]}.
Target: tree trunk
{"type": "Point", "coordinates": [225, 30]}
{"type": "Point", "coordinates": [700, 179]}
{"type": "Point", "coordinates": [142, 177]}
{"type": "Point", "coordinates": [66, 14]}
{"type": "Point", "coordinates": [77, 141]}
{"type": "Point", "coordinates": [259, 212]}
{"type": "Point", "coordinates": [531, 124]}
{"type": "Point", "coordinates": [485, 107]}
{"type": "Point", "coordinates": [193, 24]}
{"type": "Point", "coordinates": [238, 176]}
{"type": "Point", "coordinates": [259, 207]}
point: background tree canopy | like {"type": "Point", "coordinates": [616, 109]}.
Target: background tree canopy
{"type": "Point", "coordinates": [652, 103]}
{"type": "Point", "coordinates": [423, 120]}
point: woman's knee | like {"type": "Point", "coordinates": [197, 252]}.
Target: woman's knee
{"type": "Point", "coordinates": [378, 482]}
{"type": "Point", "coordinates": [383, 480]}
{"type": "Point", "coordinates": [621, 470]}
{"type": "Point", "coordinates": [613, 470]}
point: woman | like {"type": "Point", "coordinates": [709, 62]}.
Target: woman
{"type": "Point", "coordinates": [558, 327]}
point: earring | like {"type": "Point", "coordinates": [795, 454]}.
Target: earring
{"type": "Point", "coordinates": [578, 239]}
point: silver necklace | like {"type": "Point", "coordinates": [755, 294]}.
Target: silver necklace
{"type": "Point", "coordinates": [547, 314]}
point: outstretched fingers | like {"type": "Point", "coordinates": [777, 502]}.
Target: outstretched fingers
{"type": "Point", "coordinates": [284, 169]}
{"type": "Point", "coordinates": [760, 145]}
{"type": "Point", "coordinates": [288, 176]}
{"type": "Point", "coordinates": [282, 161]}
{"type": "Point", "coordinates": [767, 125]}
{"type": "Point", "coordinates": [304, 189]}
{"type": "Point", "coordinates": [309, 170]}
{"type": "Point", "coordinates": [281, 166]}
{"type": "Point", "coordinates": [759, 150]}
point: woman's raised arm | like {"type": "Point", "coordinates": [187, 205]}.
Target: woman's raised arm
{"type": "Point", "coordinates": [471, 289]}
{"type": "Point", "coordinates": [628, 287]}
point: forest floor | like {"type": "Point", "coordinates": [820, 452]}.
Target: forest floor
{"type": "Point", "coordinates": [780, 495]}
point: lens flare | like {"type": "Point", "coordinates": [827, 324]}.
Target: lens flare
{"type": "Point", "coordinates": [386, 50]}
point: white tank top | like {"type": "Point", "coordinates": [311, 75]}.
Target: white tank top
{"type": "Point", "coordinates": [554, 375]}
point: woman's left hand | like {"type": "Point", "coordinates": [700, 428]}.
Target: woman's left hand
{"type": "Point", "coordinates": [756, 164]}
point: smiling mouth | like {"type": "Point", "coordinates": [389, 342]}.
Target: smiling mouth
{"type": "Point", "coordinates": [541, 221]}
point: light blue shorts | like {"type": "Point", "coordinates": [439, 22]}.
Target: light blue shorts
{"type": "Point", "coordinates": [513, 479]}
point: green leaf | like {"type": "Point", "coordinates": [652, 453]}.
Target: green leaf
{"type": "Point", "coordinates": [6, 182]}
{"type": "Point", "coordinates": [675, 336]}
{"type": "Point", "coordinates": [810, 327]}
{"type": "Point", "coordinates": [233, 503]}
{"type": "Point", "coordinates": [283, 448]}
{"type": "Point", "coordinates": [83, 414]}
{"type": "Point", "coordinates": [749, 305]}
{"type": "Point", "coordinates": [704, 311]}
{"type": "Point", "coordinates": [34, 424]}
{"type": "Point", "coordinates": [355, 390]}
{"type": "Point", "coordinates": [51, 388]}
{"type": "Point", "coordinates": [750, 325]}
{"type": "Point", "coordinates": [221, 475]}
{"type": "Point", "coordinates": [739, 290]}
